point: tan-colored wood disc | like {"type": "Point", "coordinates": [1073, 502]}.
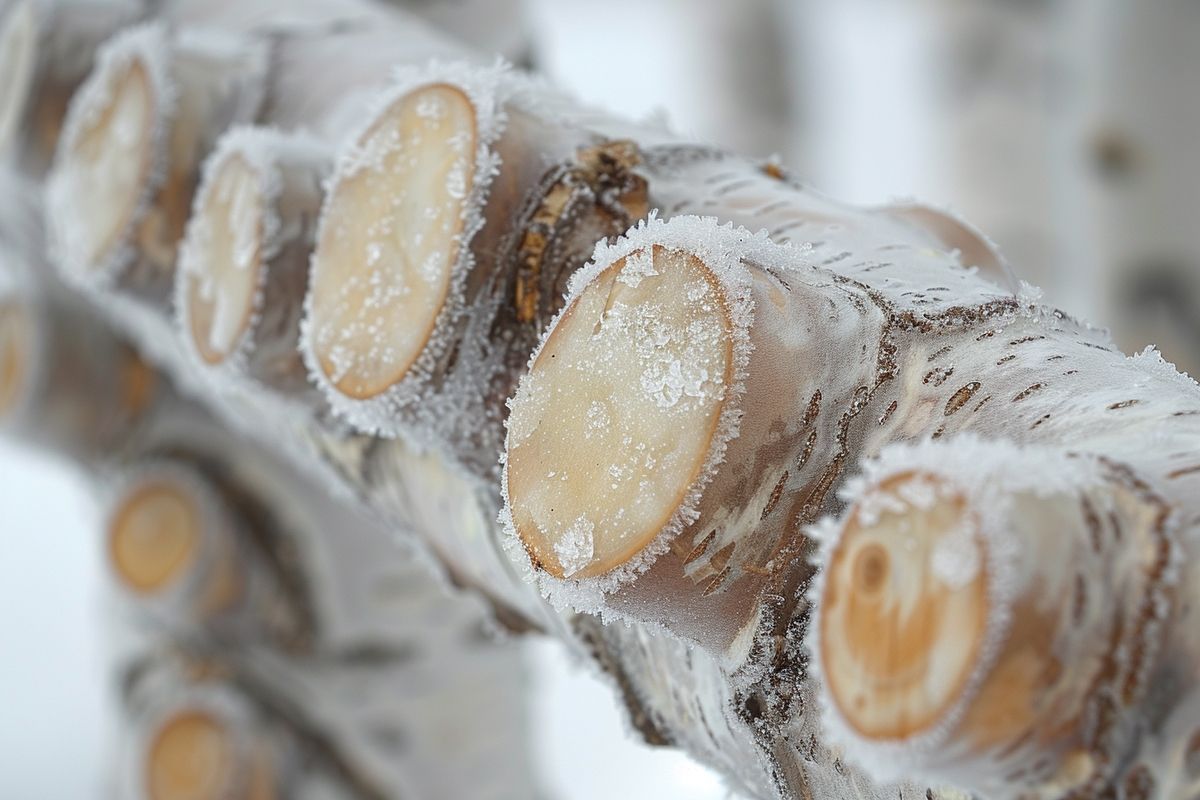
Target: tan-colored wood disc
{"type": "Point", "coordinates": [905, 607]}
{"type": "Point", "coordinates": [154, 535]}
{"type": "Point", "coordinates": [616, 419]}
{"type": "Point", "coordinates": [191, 757]}
{"type": "Point", "coordinates": [106, 168]}
{"type": "Point", "coordinates": [390, 238]}
{"type": "Point", "coordinates": [225, 259]}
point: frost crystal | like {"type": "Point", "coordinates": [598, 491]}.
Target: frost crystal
{"type": "Point", "coordinates": [598, 419]}
{"type": "Point", "coordinates": [638, 265]}
{"type": "Point", "coordinates": [575, 547]}
{"type": "Point", "coordinates": [956, 559]}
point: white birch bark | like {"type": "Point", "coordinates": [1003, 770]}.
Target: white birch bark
{"type": "Point", "coordinates": [866, 331]}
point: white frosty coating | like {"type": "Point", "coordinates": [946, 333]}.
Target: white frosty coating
{"type": "Point", "coordinates": [988, 473]}
{"type": "Point", "coordinates": [723, 249]}
{"type": "Point", "coordinates": [150, 45]}
{"type": "Point", "coordinates": [486, 90]}
{"type": "Point", "coordinates": [18, 55]}
{"type": "Point", "coordinates": [266, 151]}
{"type": "Point", "coordinates": [214, 520]}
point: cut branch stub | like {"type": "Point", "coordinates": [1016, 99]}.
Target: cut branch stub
{"type": "Point", "coordinates": [391, 235]}
{"type": "Point", "coordinates": [656, 466]}
{"type": "Point", "coordinates": [46, 50]}
{"type": "Point", "coordinates": [223, 280]}
{"type": "Point", "coordinates": [621, 406]}
{"type": "Point", "coordinates": [208, 747]}
{"type": "Point", "coordinates": [190, 756]}
{"type": "Point", "coordinates": [432, 211]}
{"type": "Point", "coordinates": [172, 545]}
{"type": "Point", "coordinates": [121, 186]}
{"type": "Point", "coordinates": [961, 636]}
{"type": "Point", "coordinates": [105, 166]}
{"type": "Point", "coordinates": [153, 537]}
{"type": "Point", "coordinates": [244, 261]}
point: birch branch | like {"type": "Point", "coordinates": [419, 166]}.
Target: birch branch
{"type": "Point", "coordinates": [694, 406]}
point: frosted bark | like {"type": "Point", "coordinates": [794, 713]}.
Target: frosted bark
{"type": "Point", "coordinates": [850, 330]}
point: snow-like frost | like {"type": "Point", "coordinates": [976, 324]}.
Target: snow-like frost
{"type": "Point", "coordinates": [956, 559]}
{"type": "Point", "coordinates": [1152, 360]}
{"type": "Point", "coordinates": [575, 546]}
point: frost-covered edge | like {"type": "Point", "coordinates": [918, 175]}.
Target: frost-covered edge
{"type": "Point", "coordinates": [267, 151]}
{"type": "Point", "coordinates": [723, 249]}
{"type": "Point", "coordinates": [487, 89]}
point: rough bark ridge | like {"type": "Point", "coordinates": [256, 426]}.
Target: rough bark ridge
{"type": "Point", "coordinates": [698, 404]}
